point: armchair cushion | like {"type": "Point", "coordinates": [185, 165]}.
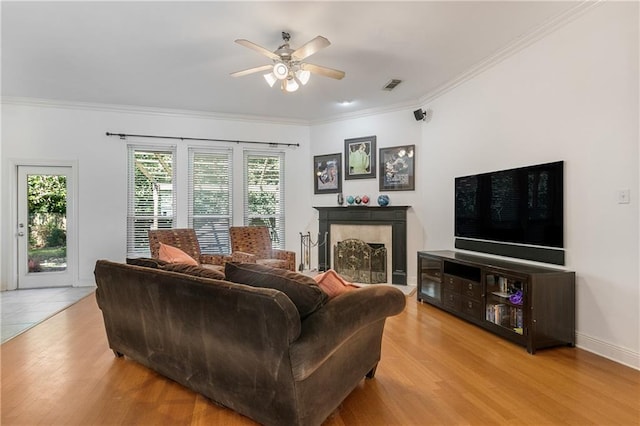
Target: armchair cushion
{"type": "Point", "coordinates": [301, 289]}
{"type": "Point", "coordinates": [273, 263]}
{"type": "Point", "coordinates": [256, 240]}
{"type": "Point", "coordinates": [186, 240]}
{"type": "Point", "coordinates": [172, 254]}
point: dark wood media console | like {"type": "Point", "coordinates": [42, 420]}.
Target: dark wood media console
{"type": "Point", "coordinates": [530, 305]}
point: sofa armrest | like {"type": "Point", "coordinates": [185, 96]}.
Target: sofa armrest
{"type": "Point", "coordinates": [324, 330]}
{"type": "Point", "coordinates": [289, 256]}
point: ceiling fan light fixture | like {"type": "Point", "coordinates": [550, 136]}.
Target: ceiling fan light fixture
{"type": "Point", "coordinates": [303, 76]}
{"type": "Point", "coordinates": [287, 64]}
{"type": "Point", "coordinates": [271, 79]}
{"type": "Point", "coordinates": [280, 70]}
{"type": "Point", "coordinates": [290, 85]}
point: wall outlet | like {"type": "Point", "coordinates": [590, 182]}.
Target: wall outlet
{"type": "Point", "coordinates": [623, 196]}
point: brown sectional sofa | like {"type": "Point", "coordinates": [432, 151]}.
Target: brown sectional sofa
{"type": "Point", "coordinates": [245, 346]}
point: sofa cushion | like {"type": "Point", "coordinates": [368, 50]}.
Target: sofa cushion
{"type": "Point", "coordinates": [194, 270]}
{"type": "Point", "coordinates": [146, 262]}
{"type": "Point", "coordinates": [301, 289]}
{"type": "Point", "coordinates": [172, 254]}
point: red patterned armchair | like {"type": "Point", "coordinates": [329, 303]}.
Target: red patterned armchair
{"type": "Point", "coordinates": [186, 240]}
{"type": "Point", "coordinates": [252, 244]}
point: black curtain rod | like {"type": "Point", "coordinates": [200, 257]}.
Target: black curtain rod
{"type": "Point", "coordinates": [125, 135]}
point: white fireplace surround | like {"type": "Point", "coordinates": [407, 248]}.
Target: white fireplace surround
{"type": "Point", "coordinates": [373, 234]}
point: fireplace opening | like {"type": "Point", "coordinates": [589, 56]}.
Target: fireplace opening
{"type": "Point", "coordinates": [361, 262]}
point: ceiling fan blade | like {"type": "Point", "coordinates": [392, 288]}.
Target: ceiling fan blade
{"type": "Point", "coordinates": [252, 70]}
{"type": "Point", "coordinates": [327, 72]}
{"type": "Point", "coordinates": [310, 48]}
{"type": "Point", "coordinates": [257, 48]}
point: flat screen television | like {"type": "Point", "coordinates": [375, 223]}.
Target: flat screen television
{"type": "Point", "coordinates": [515, 206]}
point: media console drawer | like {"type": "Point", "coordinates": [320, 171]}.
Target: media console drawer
{"type": "Point", "coordinates": [472, 289]}
{"type": "Point", "coordinates": [452, 284]}
{"type": "Point", "coordinates": [451, 300]}
{"type": "Point", "coordinates": [472, 307]}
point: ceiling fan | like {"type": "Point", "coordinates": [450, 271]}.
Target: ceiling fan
{"type": "Point", "coordinates": [287, 66]}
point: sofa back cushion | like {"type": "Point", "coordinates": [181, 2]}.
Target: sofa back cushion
{"type": "Point", "coordinates": [146, 262]}
{"type": "Point", "coordinates": [197, 271]}
{"type": "Point", "coordinates": [301, 289]}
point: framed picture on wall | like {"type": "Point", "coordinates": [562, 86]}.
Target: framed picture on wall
{"type": "Point", "coordinates": [327, 174]}
{"type": "Point", "coordinates": [360, 158]}
{"type": "Point", "coordinates": [397, 168]}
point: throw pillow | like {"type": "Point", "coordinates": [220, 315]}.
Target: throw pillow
{"type": "Point", "coordinates": [146, 262]}
{"type": "Point", "coordinates": [302, 290]}
{"type": "Point", "coordinates": [194, 270]}
{"type": "Point", "coordinates": [333, 284]}
{"type": "Point", "coordinates": [172, 254]}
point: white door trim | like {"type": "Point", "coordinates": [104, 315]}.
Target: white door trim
{"type": "Point", "coordinates": [10, 243]}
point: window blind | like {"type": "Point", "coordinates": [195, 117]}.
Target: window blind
{"type": "Point", "coordinates": [210, 198]}
{"type": "Point", "coordinates": [264, 193]}
{"type": "Point", "coordinates": [151, 194]}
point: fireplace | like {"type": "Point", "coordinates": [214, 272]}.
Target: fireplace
{"type": "Point", "coordinates": [391, 221]}
{"type": "Point", "coordinates": [361, 262]}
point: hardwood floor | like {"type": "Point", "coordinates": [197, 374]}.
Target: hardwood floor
{"type": "Point", "coordinates": [435, 369]}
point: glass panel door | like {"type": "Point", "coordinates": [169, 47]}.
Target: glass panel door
{"type": "Point", "coordinates": [505, 301]}
{"type": "Point", "coordinates": [430, 279]}
{"type": "Point", "coordinates": [42, 228]}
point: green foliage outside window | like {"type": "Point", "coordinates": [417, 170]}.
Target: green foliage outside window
{"type": "Point", "coordinates": [263, 193]}
{"type": "Point", "coordinates": [153, 184]}
{"type": "Point", "coordinates": [47, 194]}
{"type": "Point", "coordinates": [47, 207]}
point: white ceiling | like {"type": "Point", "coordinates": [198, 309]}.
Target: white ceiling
{"type": "Point", "coordinates": [178, 55]}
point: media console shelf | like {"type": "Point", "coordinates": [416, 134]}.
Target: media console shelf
{"type": "Point", "coordinates": [530, 305]}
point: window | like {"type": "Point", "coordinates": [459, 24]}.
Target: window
{"type": "Point", "coordinates": [151, 193]}
{"type": "Point", "coordinates": [210, 198]}
{"type": "Point", "coordinates": [264, 192]}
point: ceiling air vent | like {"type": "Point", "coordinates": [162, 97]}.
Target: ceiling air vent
{"type": "Point", "coordinates": [391, 84]}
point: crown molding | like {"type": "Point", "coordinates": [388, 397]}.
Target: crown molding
{"type": "Point", "coordinates": [538, 33]}
{"type": "Point", "coordinates": [165, 112]}
{"type": "Point", "coordinates": [400, 106]}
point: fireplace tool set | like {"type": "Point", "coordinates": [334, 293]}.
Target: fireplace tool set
{"type": "Point", "coordinates": [306, 243]}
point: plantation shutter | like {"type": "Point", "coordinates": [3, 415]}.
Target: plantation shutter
{"type": "Point", "coordinates": [264, 192]}
{"type": "Point", "coordinates": [210, 198]}
{"type": "Point", "coordinates": [151, 195]}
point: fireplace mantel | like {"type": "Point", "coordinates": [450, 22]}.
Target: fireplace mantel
{"type": "Point", "coordinates": [395, 216]}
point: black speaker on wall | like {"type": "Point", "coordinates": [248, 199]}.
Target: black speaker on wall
{"type": "Point", "coordinates": [419, 114]}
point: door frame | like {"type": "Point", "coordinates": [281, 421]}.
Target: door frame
{"type": "Point", "coordinates": [11, 227]}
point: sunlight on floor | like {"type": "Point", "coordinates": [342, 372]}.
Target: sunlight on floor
{"type": "Point", "coordinates": [23, 309]}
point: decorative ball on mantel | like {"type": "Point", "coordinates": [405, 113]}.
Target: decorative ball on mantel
{"type": "Point", "coordinates": [383, 200]}
{"type": "Point", "coordinates": [365, 199]}
{"type": "Point", "coordinates": [350, 199]}
{"type": "Point", "coordinates": [358, 200]}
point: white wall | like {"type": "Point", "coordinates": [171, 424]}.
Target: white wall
{"type": "Point", "coordinates": [31, 132]}
{"type": "Point", "coordinates": [570, 96]}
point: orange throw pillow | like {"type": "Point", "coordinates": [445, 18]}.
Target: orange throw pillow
{"type": "Point", "coordinates": [175, 255]}
{"type": "Point", "coordinates": [332, 284]}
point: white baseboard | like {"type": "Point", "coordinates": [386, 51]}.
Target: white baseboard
{"type": "Point", "coordinates": [607, 350]}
